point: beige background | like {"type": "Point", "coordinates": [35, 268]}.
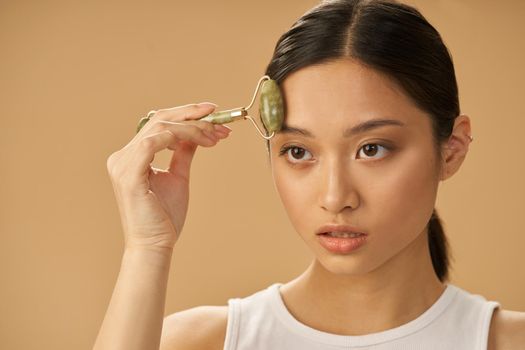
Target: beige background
{"type": "Point", "coordinates": [74, 80]}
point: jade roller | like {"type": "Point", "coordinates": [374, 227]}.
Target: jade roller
{"type": "Point", "coordinates": [271, 109]}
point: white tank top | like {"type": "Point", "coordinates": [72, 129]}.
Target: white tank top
{"type": "Point", "coordinates": [457, 320]}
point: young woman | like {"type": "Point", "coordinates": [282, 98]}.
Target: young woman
{"type": "Point", "coordinates": [372, 126]}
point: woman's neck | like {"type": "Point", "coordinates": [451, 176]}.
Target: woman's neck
{"type": "Point", "coordinates": [395, 293]}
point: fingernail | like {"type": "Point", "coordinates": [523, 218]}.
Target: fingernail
{"type": "Point", "coordinates": [222, 128]}
{"type": "Point", "coordinates": [207, 104]}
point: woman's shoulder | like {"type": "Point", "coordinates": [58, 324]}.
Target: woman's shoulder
{"type": "Point", "coordinates": [204, 327]}
{"type": "Point", "coordinates": [507, 330]}
{"type": "Point", "coordinates": [201, 327]}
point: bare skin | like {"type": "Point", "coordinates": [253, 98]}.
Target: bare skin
{"type": "Point", "coordinates": [389, 194]}
{"type": "Point", "coordinates": [384, 284]}
{"type": "Point", "coordinates": [153, 204]}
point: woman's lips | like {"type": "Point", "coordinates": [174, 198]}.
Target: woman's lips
{"type": "Point", "coordinates": [332, 227]}
{"type": "Point", "coordinates": [341, 245]}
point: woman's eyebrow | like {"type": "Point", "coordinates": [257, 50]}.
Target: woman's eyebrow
{"type": "Point", "coordinates": [349, 132]}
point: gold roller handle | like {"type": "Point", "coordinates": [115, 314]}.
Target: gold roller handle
{"type": "Point", "coordinates": [231, 115]}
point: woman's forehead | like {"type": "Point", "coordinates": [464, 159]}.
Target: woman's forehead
{"type": "Point", "coordinates": [342, 85]}
{"type": "Point", "coordinates": [344, 93]}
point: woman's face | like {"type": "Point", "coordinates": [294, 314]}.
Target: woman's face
{"type": "Point", "coordinates": [386, 189]}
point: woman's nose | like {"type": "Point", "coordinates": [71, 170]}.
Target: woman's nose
{"type": "Point", "coordinates": [336, 188]}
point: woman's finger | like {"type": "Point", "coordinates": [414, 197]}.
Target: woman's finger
{"type": "Point", "coordinates": [149, 145]}
{"type": "Point", "coordinates": [186, 112]}
{"type": "Point", "coordinates": [192, 111]}
{"type": "Point", "coordinates": [181, 160]}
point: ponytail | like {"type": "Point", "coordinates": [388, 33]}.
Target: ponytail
{"type": "Point", "coordinates": [438, 245]}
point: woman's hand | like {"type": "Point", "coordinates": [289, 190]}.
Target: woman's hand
{"type": "Point", "coordinates": [152, 202]}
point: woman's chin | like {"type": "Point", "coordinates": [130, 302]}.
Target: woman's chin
{"type": "Point", "coordinates": [343, 264]}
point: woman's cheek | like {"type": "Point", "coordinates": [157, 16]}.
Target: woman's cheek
{"type": "Point", "coordinates": [408, 193]}
{"type": "Point", "coordinates": [294, 196]}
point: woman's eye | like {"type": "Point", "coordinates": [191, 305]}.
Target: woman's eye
{"type": "Point", "coordinates": [370, 150]}
{"type": "Point", "coordinates": [297, 153]}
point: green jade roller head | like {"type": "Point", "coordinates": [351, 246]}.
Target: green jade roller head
{"type": "Point", "coordinates": [271, 109]}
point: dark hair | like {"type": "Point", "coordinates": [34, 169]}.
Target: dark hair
{"type": "Point", "coordinates": [394, 39]}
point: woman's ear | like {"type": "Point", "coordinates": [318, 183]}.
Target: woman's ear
{"type": "Point", "coordinates": [455, 149]}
